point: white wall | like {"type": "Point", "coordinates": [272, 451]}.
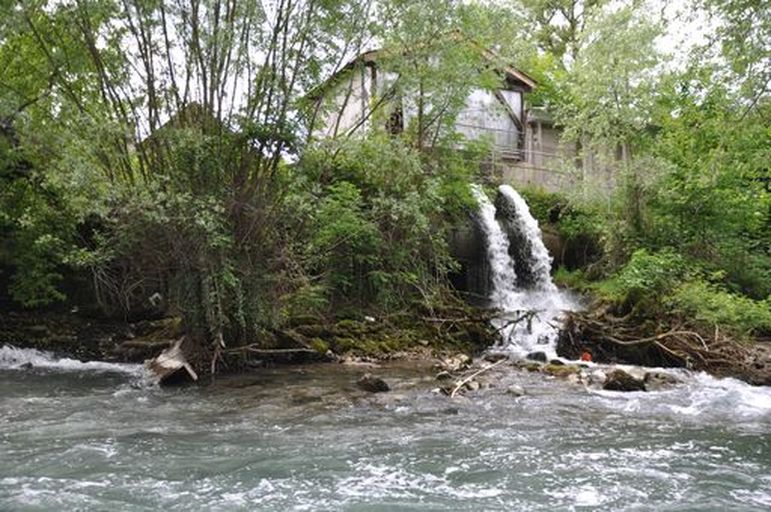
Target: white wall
{"type": "Point", "coordinates": [349, 100]}
{"type": "Point", "coordinates": [484, 116]}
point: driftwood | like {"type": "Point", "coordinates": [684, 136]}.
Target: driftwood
{"type": "Point", "coordinates": [171, 364]}
{"type": "Point", "coordinates": [471, 377]}
{"type": "Point", "coordinates": [614, 339]}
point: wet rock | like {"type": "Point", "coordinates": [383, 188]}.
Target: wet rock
{"type": "Point", "coordinates": [561, 370]}
{"type": "Point", "coordinates": [515, 390]}
{"type": "Point", "coordinates": [26, 366]}
{"type": "Point", "coordinates": [619, 380]}
{"type": "Point", "coordinates": [556, 362]}
{"type": "Point", "coordinates": [443, 375]}
{"type": "Point", "coordinates": [494, 357]}
{"type": "Point", "coordinates": [597, 377]}
{"type": "Point", "coordinates": [537, 356]}
{"type": "Point", "coordinates": [529, 366]}
{"type": "Point", "coordinates": [456, 363]}
{"type": "Point", "coordinates": [369, 382]}
{"type": "Point", "coordinates": [473, 385]}
{"type": "Point", "coordinates": [657, 381]}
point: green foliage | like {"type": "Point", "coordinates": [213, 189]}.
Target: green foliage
{"type": "Point", "coordinates": [571, 219]}
{"type": "Point", "coordinates": [378, 222]}
{"type": "Point", "coordinates": [712, 306]}
{"type": "Point", "coordinates": [645, 277]}
{"type": "Point", "coordinates": [573, 279]}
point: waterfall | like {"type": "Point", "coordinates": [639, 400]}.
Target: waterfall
{"type": "Point", "coordinates": [533, 298]}
{"type": "Point", "coordinates": [535, 255]}
{"type": "Point", "coordinates": [503, 276]}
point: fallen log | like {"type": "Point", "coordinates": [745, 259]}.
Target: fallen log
{"type": "Point", "coordinates": [171, 365]}
{"type": "Point", "coordinates": [667, 343]}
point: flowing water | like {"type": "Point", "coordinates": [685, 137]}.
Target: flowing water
{"type": "Point", "coordinates": [85, 437]}
{"type": "Point", "coordinates": [532, 307]}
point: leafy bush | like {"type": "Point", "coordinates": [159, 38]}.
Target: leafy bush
{"type": "Point", "coordinates": [647, 276]}
{"type": "Point", "coordinates": [708, 304]}
{"type": "Point", "coordinates": [378, 218]}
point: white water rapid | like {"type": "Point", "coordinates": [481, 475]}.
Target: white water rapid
{"type": "Point", "coordinates": [13, 358]}
{"type": "Point", "coordinates": [532, 312]}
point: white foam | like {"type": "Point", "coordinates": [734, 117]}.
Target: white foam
{"type": "Point", "coordinates": [540, 260]}
{"type": "Point", "coordinates": [502, 267]}
{"type": "Point", "coordinates": [13, 358]}
{"type": "Point", "coordinates": [544, 304]}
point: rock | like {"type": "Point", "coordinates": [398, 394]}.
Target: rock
{"type": "Point", "coordinates": [556, 362]}
{"type": "Point", "coordinates": [561, 370]}
{"type": "Point", "coordinates": [443, 375]}
{"type": "Point", "coordinates": [26, 366]}
{"type": "Point", "coordinates": [515, 390]}
{"type": "Point", "coordinates": [369, 382]}
{"type": "Point", "coordinates": [657, 381]}
{"type": "Point", "coordinates": [494, 357]}
{"type": "Point", "coordinates": [537, 356]}
{"type": "Point", "coordinates": [619, 380]}
{"type": "Point", "coordinates": [529, 366]}
{"type": "Point", "coordinates": [456, 363]}
{"type": "Point", "coordinates": [597, 377]}
{"type": "Point", "coordinates": [472, 385]}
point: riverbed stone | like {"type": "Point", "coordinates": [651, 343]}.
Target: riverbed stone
{"type": "Point", "coordinates": [455, 363]}
{"type": "Point", "coordinates": [561, 370]}
{"type": "Point", "coordinates": [494, 357]}
{"type": "Point", "coordinates": [443, 375]}
{"type": "Point", "coordinates": [657, 381]}
{"type": "Point", "coordinates": [369, 382]}
{"type": "Point", "coordinates": [515, 390]}
{"type": "Point", "coordinates": [473, 385]}
{"type": "Point", "coordinates": [530, 366]}
{"type": "Point", "coordinates": [537, 356]}
{"type": "Point", "coordinates": [619, 380]}
{"type": "Point", "coordinates": [597, 377]}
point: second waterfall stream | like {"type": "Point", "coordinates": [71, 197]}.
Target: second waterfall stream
{"type": "Point", "coordinates": [532, 307]}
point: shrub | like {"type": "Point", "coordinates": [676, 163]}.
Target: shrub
{"type": "Point", "coordinates": [646, 276]}
{"type": "Point", "coordinates": [708, 304]}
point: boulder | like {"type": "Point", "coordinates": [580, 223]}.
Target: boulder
{"type": "Point", "coordinates": [369, 382]}
{"type": "Point", "coordinates": [561, 370]}
{"type": "Point", "coordinates": [619, 380]}
{"type": "Point", "coordinates": [443, 375]}
{"type": "Point", "coordinates": [515, 390]}
{"type": "Point", "coordinates": [657, 381]}
{"type": "Point", "coordinates": [537, 356]}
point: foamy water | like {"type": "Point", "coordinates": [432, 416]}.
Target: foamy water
{"type": "Point", "coordinates": [532, 313]}
{"type": "Point", "coordinates": [307, 439]}
{"type": "Point", "coordinates": [19, 358]}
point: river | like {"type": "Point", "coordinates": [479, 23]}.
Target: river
{"type": "Point", "coordinates": [98, 436]}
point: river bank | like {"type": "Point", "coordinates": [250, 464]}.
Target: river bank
{"type": "Point", "coordinates": [419, 335]}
